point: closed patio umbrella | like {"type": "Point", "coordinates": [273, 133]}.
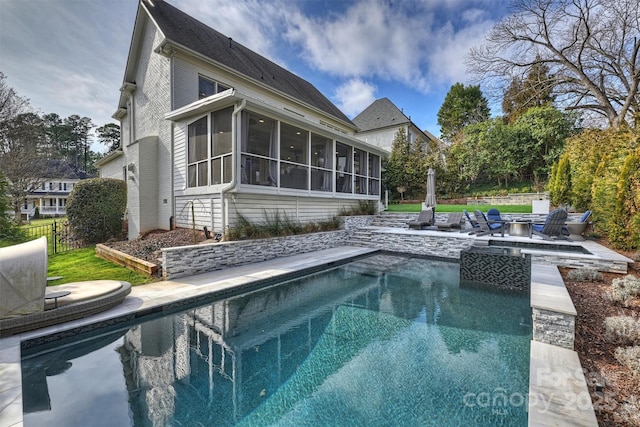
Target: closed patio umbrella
{"type": "Point", "coordinates": [430, 201]}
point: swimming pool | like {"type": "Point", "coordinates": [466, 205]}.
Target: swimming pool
{"type": "Point", "coordinates": [385, 340]}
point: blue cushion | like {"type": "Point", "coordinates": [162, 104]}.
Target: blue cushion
{"type": "Point", "coordinates": [537, 227]}
{"type": "Point", "coordinates": [585, 216]}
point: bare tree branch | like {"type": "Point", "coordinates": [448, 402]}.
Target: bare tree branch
{"type": "Point", "coordinates": [591, 48]}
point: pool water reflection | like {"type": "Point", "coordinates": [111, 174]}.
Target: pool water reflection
{"type": "Point", "coordinates": [385, 340]}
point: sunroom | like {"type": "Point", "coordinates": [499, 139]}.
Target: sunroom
{"type": "Point", "coordinates": [232, 145]}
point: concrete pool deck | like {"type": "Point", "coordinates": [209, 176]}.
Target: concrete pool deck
{"type": "Point", "coordinates": [554, 402]}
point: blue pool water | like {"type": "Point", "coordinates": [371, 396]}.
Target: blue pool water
{"type": "Point", "coordinates": [385, 340]}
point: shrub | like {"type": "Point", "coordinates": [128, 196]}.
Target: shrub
{"type": "Point", "coordinates": [585, 275]}
{"type": "Point", "coordinates": [629, 357]}
{"type": "Point", "coordinates": [364, 207]}
{"type": "Point", "coordinates": [276, 224]}
{"type": "Point", "coordinates": [96, 209]}
{"type": "Point", "coordinates": [624, 330]}
{"type": "Point", "coordinates": [623, 290]}
{"type": "Point", "coordinates": [628, 412]}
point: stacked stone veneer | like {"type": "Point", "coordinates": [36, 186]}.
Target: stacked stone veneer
{"type": "Point", "coordinates": [554, 328]}
{"type": "Point", "coordinates": [189, 260]}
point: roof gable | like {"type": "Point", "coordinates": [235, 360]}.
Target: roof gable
{"type": "Point", "coordinates": [186, 31]}
{"type": "Point", "coordinates": [382, 113]}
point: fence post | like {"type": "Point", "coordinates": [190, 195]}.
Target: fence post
{"type": "Point", "coordinates": [53, 236]}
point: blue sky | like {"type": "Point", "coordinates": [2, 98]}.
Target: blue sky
{"type": "Point", "coordinates": [68, 56]}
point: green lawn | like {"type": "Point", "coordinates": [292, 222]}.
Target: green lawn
{"type": "Point", "coordinates": [83, 264]}
{"type": "Point", "coordinates": [416, 207]}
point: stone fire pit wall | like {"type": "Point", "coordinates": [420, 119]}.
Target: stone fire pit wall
{"type": "Point", "coordinates": [189, 260]}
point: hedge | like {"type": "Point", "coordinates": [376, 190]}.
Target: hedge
{"type": "Point", "coordinates": [96, 209]}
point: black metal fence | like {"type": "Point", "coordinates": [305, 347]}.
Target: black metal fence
{"type": "Point", "coordinates": [58, 234]}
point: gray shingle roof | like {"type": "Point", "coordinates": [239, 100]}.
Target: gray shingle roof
{"type": "Point", "coordinates": [187, 31]}
{"type": "Point", "coordinates": [382, 113]}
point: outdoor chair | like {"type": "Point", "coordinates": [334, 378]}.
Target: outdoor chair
{"type": "Point", "coordinates": [552, 226]}
{"type": "Point", "coordinates": [453, 221]}
{"type": "Point", "coordinates": [487, 226]}
{"type": "Point", "coordinates": [475, 228]}
{"type": "Point", "coordinates": [425, 219]}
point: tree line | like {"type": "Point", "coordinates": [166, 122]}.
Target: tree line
{"type": "Point", "coordinates": [29, 142]}
{"type": "Point", "coordinates": [567, 74]}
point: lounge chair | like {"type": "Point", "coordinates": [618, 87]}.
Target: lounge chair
{"type": "Point", "coordinates": [552, 227]}
{"type": "Point", "coordinates": [475, 228]}
{"type": "Point", "coordinates": [425, 219]}
{"type": "Point", "coordinates": [453, 221]}
{"type": "Point", "coordinates": [487, 226]}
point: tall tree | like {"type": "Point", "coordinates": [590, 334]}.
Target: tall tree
{"type": "Point", "coordinates": [591, 49]}
{"type": "Point", "coordinates": [10, 103]}
{"type": "Point", "coordinates": [20, 142]}
{"type": "Point", "coordinates": [396, 170]}
{"type": "Point", "coordinates": [58, 136]}
{"type": "Point", "coordinates": [535, 90]}
{"type": "Point", "coordinates": [109, 135]}
{"type": "Point", "coordinates": [461, 107]}
{"type": "Point", "coordinates": [79, 127]}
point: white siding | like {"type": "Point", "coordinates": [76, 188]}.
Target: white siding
{"type": "Point", "coordinates": [193, 209]}
{"type": "Point", "coordinates": [381, 138]}
{"type": "Point", "coordinates": [180, 157]}
{"type": "Point", "coordinates": [150, 191]}
{"type": "Point", "coordinates": [113, 169]}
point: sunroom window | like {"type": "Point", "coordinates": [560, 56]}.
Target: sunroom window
{"type": "Point", "coordinates": [259, 150]}
{"type": "Point", "coordinates": [360, 171]}
{"type": "Point", "coordinates": [374, 175]}
{"type": "Point", "coordinates": [197, 156]}
{"type": "Point", "coordinates": [221, 146]}
{"type": "Point", "coordinates": [344, 160]}
{"type": "Point", "coordinates": [294, 156]}
{"type": "Point", "coordinates": [321, 163]}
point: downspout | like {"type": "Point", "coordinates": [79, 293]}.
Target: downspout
{"type": "Point", "coordinates": [234, 161]}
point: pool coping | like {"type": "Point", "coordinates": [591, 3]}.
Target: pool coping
{"type": "Point", "coordinates": [547, 292]}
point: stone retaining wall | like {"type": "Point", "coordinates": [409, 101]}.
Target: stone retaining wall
{"type": "Point", "coordinates": [554, 328]}
{"type": "Point", "coordinates": [189, 260]}
{"type": "Point", "coordinates": [358, 221]}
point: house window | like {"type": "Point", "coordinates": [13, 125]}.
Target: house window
{"type": "Point", "coordinates": [51, 186]}
{"type": "Point", "coordinates": [208, 87]}
{"type": "Point", "coordinates": [294, 156]}
{"type": "Point", "coordinates": [374, 174]}
{"type": "Point", "coordinates": [59, 186]}
{"type": "Point", "coordinates": [197, 159]}
{"type": "Point", "coordinates": [321, 163]}
{"type": "Point", "coordinates": [360, 171]}
{"type": "Point", "coordinates": [44, 186]}
{"type": "Point", "coordinates": [64, 186]}
{"type": "Point", "coordinates": [259, 150]}
{"type": "Point", "coordinates": [344, 162]}
{"type": "Point", "coordinates": [221, 146]}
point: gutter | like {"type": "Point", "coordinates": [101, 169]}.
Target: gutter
{"type": "Point", "coordinates": [234, 161]}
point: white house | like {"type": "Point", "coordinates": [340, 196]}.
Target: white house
{"type": "Point", "coordinates": [50, 196]}
{"type": "Point", "coordinates": [210, 129]}
{"type": "Point", "coordinates": [380, 122]}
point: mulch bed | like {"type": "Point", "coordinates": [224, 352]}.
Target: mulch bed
{"type": "Point", "coordinates": [148, 246]}
{"type": "Point", "coordinates": [619, 386]}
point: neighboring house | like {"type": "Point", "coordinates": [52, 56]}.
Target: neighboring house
{"type": "Point", "coordinates": [212, 131]}
{"type": "Point", "coordinates": [112, 165]}
{"type": "Point", "coordinates": [50, 197]}
{"type": "Point", "coordinates": [380, 122]}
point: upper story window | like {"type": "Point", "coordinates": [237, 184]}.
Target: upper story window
{"type": "Point", "coordinates": [208, 87]}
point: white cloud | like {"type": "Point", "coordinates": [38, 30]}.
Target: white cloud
{"type": "Point", "coordinates": [354, 96]}
{"type": "Point", "coordinates": [405, 42]}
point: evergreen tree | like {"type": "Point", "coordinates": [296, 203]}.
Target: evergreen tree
{"type": "Point", "coordinates": [461, 107]}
